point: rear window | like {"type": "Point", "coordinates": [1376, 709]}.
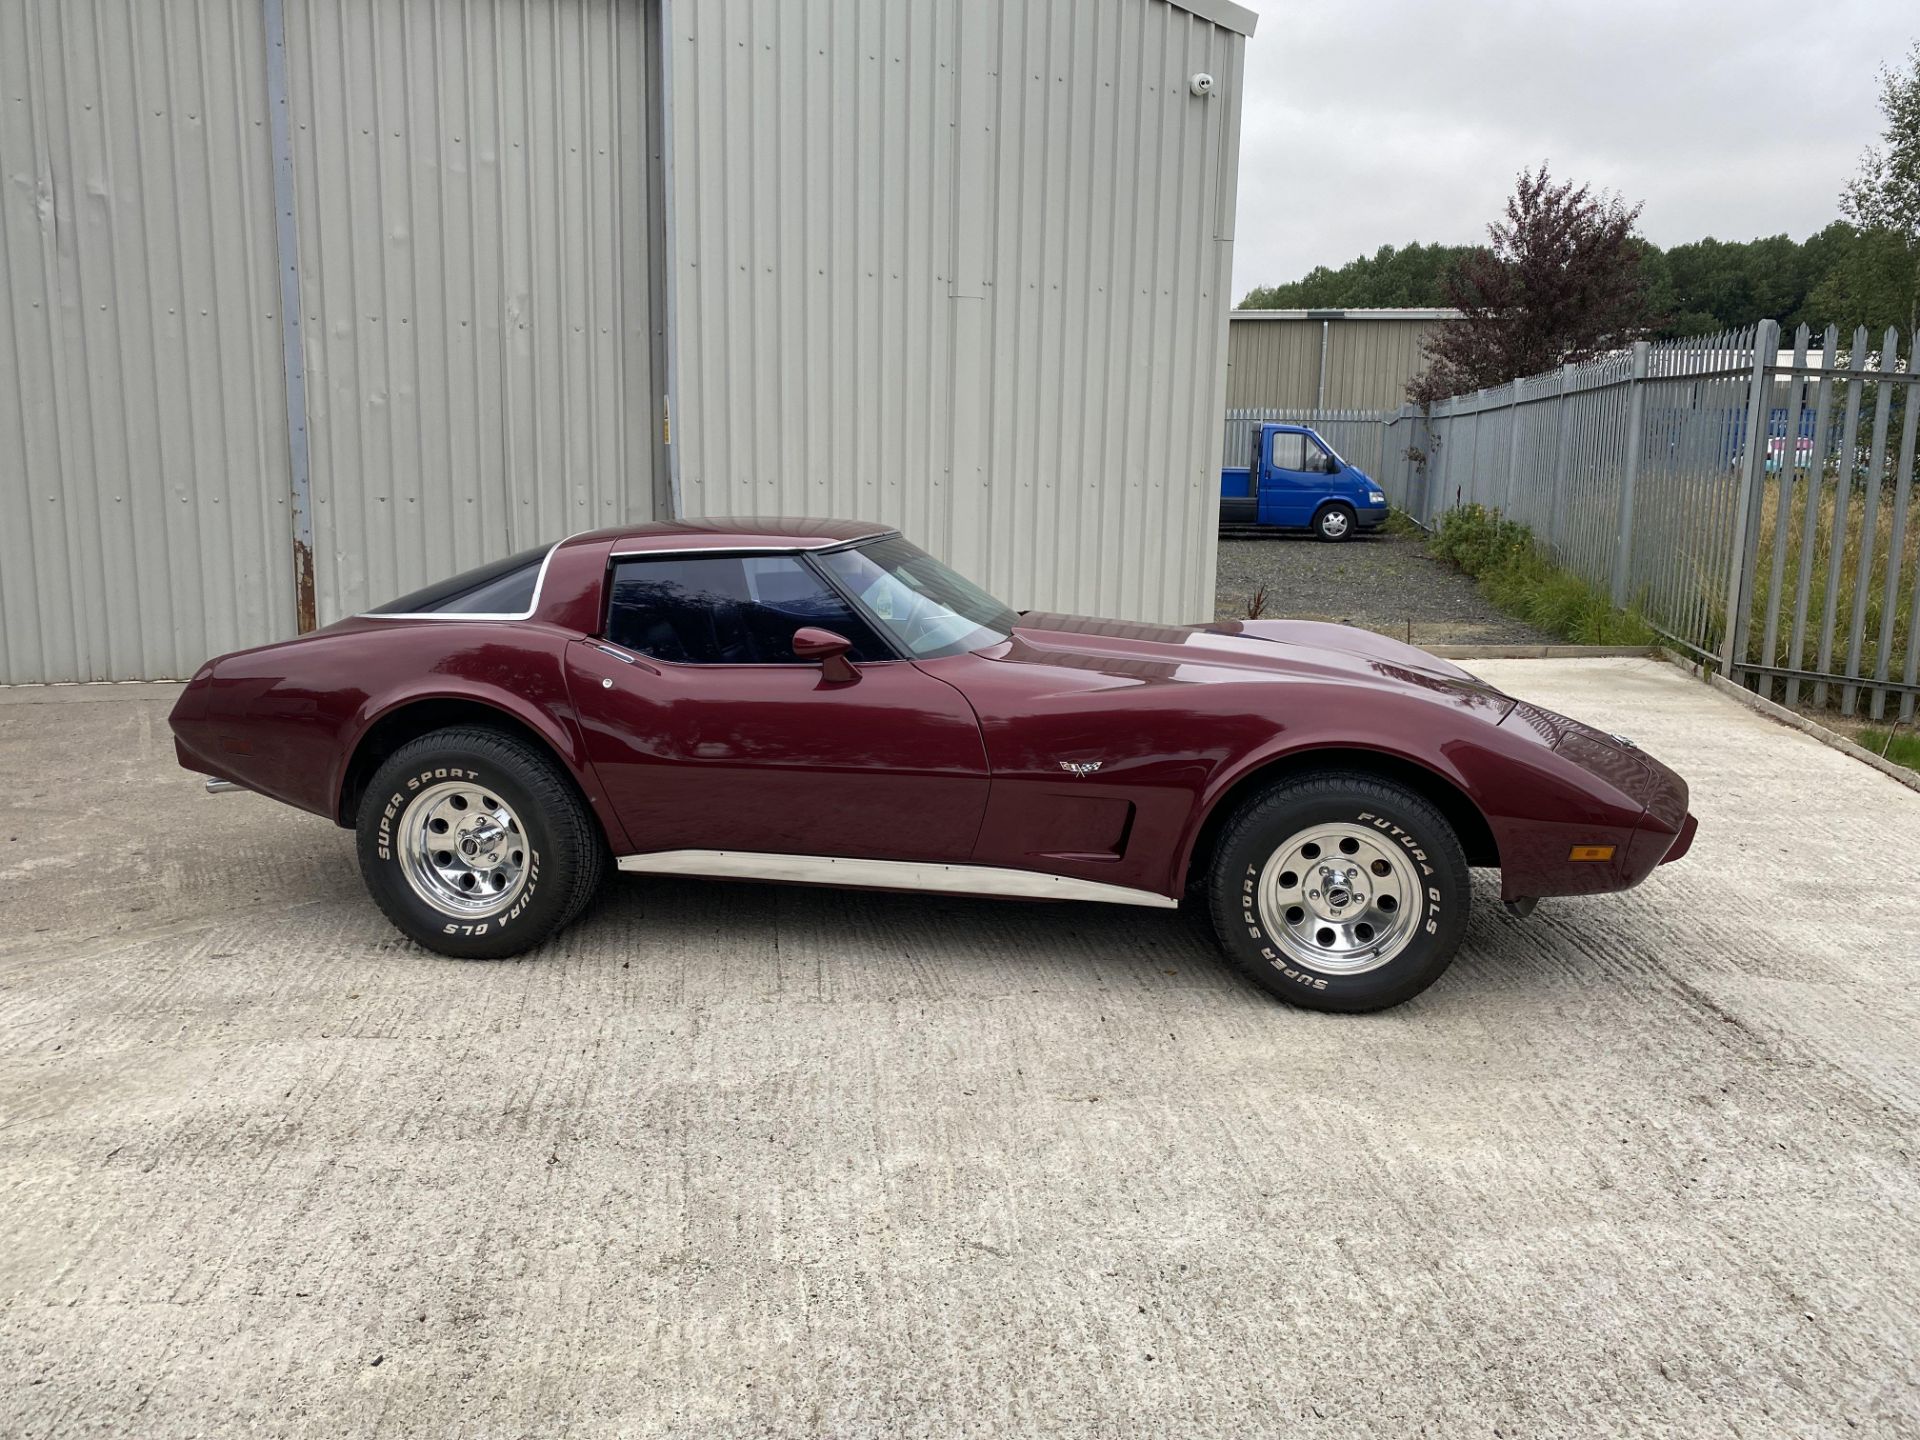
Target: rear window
{"type": "Point", "coordinates": [503, 588]}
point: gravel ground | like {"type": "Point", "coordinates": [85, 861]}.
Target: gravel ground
{"type": "Point", "coordinates": [1379, 582]}
{"type": "Point", "coordinates": [737, 1160]}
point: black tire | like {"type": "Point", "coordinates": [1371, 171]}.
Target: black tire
{"type": "Point", "coordinates": [557, 870]}
{"type": "Point", "coordinates": [1400, 830]}
{"type": "Point", "coordinates": [1335, 523]}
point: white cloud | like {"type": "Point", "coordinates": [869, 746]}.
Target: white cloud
{"type": "Point", "coordinates": [1385, 121]}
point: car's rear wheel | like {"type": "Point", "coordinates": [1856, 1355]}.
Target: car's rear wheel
{"type": "Point", "coordinates": [1335, 522]}
{"type": "Point", "coordinates": [1339, 891]}
{"type": "Point", "coordinates": [476, 844]}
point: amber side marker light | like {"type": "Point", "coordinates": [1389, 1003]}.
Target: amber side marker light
{"type": "Point", "coordinates": [1591, 852]}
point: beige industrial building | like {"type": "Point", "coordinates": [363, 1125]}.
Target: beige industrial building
{"type": "Point", "coordinates": [312, 301]}
{"type": "Point", "coordinates": [1326, 359]}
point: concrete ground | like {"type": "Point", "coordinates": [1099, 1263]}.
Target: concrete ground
{"type": "Point", "coordinates": [745, 1160]}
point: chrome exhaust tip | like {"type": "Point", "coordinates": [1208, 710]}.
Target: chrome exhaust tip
{"type": "Point", "coordinates": [223, 787]}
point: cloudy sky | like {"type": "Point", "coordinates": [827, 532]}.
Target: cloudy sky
{"type": "Point", "coordinates": [1373, 122]}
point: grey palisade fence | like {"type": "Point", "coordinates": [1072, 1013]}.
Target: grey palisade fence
{"type": "Point", "coordinates": [1754, 503]}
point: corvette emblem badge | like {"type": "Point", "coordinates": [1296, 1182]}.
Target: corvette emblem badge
{"type": "Point", "coordinates": [1080, 767]}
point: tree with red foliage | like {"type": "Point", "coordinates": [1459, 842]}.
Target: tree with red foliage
{"type": "Point", "coordinates": [1561, 281]}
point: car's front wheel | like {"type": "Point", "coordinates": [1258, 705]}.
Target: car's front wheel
{"type": "Point", "coordinates": [1340, 891]}
{"type": "Point", "coordinates": [476, 844]}
{"type": "Point", "coordinates": [1335, 522]}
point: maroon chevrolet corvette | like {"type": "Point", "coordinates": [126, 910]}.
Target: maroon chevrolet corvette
{"type": "Point", "coordinates": [824, 702]}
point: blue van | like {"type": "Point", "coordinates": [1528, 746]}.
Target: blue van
{"type": "Point", "coordinates": [1297, 481]}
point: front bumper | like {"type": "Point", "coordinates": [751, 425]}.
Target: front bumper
{"type": "Point", "coordinates": [1685, 843]}
{"type": "Point", "coordinates": [1663, 831]}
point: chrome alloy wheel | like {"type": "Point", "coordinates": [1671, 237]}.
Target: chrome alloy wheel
{"type": "Point", "coordinates": [1340, 899]}
{"type": "Point", "coordinates": [462, 849]}
{"type": "Point", "coordinates": [1333, 524]}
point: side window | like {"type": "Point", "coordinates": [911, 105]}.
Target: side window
{"type": "Point", "coordinates": [1319, 462]}
{"type": "Point", "coordinates": [502, 588]}
{"type": "Point", "coordinates": [727, 610]}
{"type": "Point", "coordinates": [1289, 450]}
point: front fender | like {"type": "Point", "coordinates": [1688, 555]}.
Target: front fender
{"type": "Point", "coordinates": [1536, 804]}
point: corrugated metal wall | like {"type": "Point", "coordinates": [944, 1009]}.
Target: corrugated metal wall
{"type": "Point", "coordinates": [962, 267]}
{"type": "Point", "coordinates": [1369, 362]}
{"type": "Point", "coordinates": [143, 457]}
{"type": "Point", "coordinates": [475, 242]}
{"type": "Point", "coordinates": [1272, 364]}
{"type": "Point", "coordinates": [1275, 362]}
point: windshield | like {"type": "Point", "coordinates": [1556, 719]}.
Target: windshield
{"type": "Point", "coordinates": [925, 608]}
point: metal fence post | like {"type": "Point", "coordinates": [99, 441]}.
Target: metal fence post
{"type": "Point", "coordinates": [1416, 474]}
{"type": "Point", "coordinates": [1636, 429]}
{"type": "Point", "coordinates": [1513, 446]}
{"type": "Point", "coordinates": [1753, 461]}
{"type": "Point", "coordinates": [1563, 409]}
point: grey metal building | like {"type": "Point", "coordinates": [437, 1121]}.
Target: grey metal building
{"type": "Point", "coordinates": [310, 301]}
{"type": "Point", "coordinates": [1326, 359]}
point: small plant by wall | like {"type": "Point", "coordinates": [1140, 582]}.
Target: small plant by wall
{"type": "Point", "coordinates": [1515, 573]}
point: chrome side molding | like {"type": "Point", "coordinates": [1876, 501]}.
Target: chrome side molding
{"type": "Point", "coordinates": [921, 875]}
{"type": "Point", "coordinates": [223, 787]}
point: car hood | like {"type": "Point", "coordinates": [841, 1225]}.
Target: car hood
{"type": "Point", "coordinates": [1246, 649]}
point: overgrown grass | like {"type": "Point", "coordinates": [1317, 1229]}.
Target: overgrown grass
{"type": "Point", "coordinates": [1402, 524]}
{"type": "Point", "coordinates": [1855, 553]}
{"type": "Point", "coordinates": [1901, 747]}
{"type": "Point", "coordinates": [1516, 575]}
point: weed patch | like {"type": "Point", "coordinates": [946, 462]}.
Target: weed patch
{"type": "Point", "coordinates": [1902, 747]}
{"type": "Point", "coordinates": [1516, 575]}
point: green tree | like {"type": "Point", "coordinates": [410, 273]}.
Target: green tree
{"type": "Point", "coordinates": [1869, 281]}
{"type": "Point", "coordinates": [1885, 196]}
{"type": "Point", "coordinates": [1699, 288]}
{"type": "Point", "coordinates": [1561, 280]}
{"type": "Point", "coordinates": [1392, 277]}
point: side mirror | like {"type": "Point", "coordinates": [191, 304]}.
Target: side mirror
{"type": "Point", "coordinates": [810, 642]}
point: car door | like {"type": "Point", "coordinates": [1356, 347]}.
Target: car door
{"type": "Point", "coordinates": [1290, 488]}
{"type": "Point", "coordinates": [708, 734]}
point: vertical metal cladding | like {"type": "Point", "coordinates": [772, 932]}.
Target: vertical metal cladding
{"type": "Point", "coordinates": [475, 245]}
{"type": "Point", "coordinates": [957, 265]}
{"type": "Point", "coordinates": [961, 267]}
{"type": "Point", "coordinates": [1336, 359]}
{"type": "Point", "coordinates": [1369, 363]}
{"type": "Point", "coordinates": [143, 460]}
{"type": "Point", "coordinates": [1273, 364]}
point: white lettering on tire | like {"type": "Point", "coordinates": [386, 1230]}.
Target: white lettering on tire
{"type": "Point", "coordinates": [1250, 913]}
{"type": "Point", "coordinates": [1407, 841]}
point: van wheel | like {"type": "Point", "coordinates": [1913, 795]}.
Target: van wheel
{"type": "Point", "coordinates": [1339, 891]}
{"type": "Point", "coordinates": [1335, 522]}
{"type": "Point", "coordinates": [476, 844]}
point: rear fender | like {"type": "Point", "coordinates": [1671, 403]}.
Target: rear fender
{"type": "Point", "coordinates": [553, 724]}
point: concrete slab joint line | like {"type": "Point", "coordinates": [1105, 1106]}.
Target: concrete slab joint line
{"type": "Point", "coordinates": [932, 1165]}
